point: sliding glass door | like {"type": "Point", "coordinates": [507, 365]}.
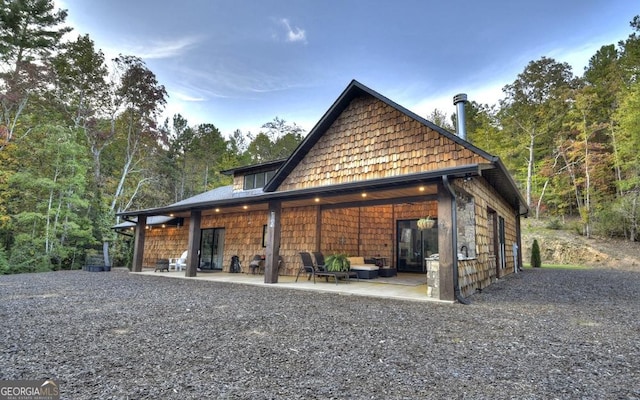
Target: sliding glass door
{"type": "Point", "coordinates": [414, 245]}
{"type": "Point", "coordinates": [212, 249]}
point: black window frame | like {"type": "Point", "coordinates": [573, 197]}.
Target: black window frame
{"type": "Point", "coordinates": [258, 180]}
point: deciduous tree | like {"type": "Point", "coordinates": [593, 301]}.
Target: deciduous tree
{"type": "Point", "coordinates": [30, 30]}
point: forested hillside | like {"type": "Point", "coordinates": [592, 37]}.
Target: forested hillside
{"type": "Point", "coordinates": [81, 139]}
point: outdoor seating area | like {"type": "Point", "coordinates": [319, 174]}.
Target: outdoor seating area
{"type": "Point", "coordinates": [363, 269]}
{"type": "Point", "coordinates": [360, 268]}
{"type": "Point", "coordinates": [318, 268]}
{"type": "Point", "coordinates": [96, 264]}
{"type": "Point", "coordinates": [178, 264]}
{"type": "Point", "coordinates": [256, 265]}
{"type": "Point", "coordinates": [162, 265]}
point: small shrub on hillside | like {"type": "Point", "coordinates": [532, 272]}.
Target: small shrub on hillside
{"type": "Point", "coordinates": [577, 227]}
{"type": "Point", "coordinates": [610, 222]}
{"type": "Point", "coordinates": [554, 224]}
{"type": "Point", "coordinates": [536, 261]}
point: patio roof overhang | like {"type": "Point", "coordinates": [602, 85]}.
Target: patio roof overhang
{"type": "Point", "coordinates": [389, 189]}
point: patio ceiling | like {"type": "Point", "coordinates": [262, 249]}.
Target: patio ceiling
{"type": "Point", "coordinates": [411, 193]}
{"type": "Point", "coordinates": [357, 198]}
{"type": "Point", "coordinates": [396, 189]}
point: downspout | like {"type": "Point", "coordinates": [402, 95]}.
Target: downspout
{"type": "Point", "coordinates": [454, 239]}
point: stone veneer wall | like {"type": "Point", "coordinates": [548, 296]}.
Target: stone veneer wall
{"type": "Point", "coordinates": [466, 219]}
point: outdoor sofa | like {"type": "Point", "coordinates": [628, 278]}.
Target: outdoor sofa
{"type": "Point", "coordinates": [364, 270]}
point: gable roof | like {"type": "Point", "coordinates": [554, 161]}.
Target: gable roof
{"type": "Point", "coordinates": [355, 89]}
{"type": "Point", "coordinates": [494, 171]}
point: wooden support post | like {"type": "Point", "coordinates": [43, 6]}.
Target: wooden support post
{"type": "Point", "coordinates": [138, 247]}
{"type": "Point", "coordinates": [446, 230]}
{"type": "Point", "coordinates": [194, 243]}
{"type": "Point", "coordinates": [272, 256]}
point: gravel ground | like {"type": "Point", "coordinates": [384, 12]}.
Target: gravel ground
{"type": "Point", "coordinates": [540, 334]}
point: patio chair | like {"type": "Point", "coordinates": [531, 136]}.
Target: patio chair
{"type": "Point", "coordinates": [311, 269]}
{"type": "Point", "coordinates": [179, 263]}
{"type": "Point", "coordinates": [307, 267]}
{"type": "Point", "coordinates": [263, 265]}
{"type": "Point", "coordinates": [256, 264]}
{"type": "Point", "coordinates": [322, 266]}
{"type": "Point", "coordinates": [319, 259]}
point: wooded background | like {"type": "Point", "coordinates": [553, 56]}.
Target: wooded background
{"type": "Point", "coordinates": [80, 139]}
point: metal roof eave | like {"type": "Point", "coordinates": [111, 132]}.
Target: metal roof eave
{"type": "Point", "coordinates": [251, 167]}
{"type": "Point", "coordinates": [500, 178]}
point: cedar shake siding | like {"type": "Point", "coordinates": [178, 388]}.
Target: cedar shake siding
{"type": "Point", "coordinates": [356, 184]}
{"type": "Point", "coordinates": [372, 140]}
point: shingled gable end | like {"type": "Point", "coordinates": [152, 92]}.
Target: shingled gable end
{"type": "Point", "coordinates": [366, 136]}
{"type": "Point", "coordinates": [357, 184]}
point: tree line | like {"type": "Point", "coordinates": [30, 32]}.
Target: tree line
{"type": "Point", "coordinates": [81, 139]}
{"type": "Point", "coordinates": [572, 142]}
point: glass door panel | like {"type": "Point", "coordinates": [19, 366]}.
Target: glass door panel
{"type": "Point", "coordinates": [414, 245]}
{"type": "Point", "coordinates": [212, 249]}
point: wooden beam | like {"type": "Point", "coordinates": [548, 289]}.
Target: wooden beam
{"type": "Point", "coordinates": [272, 256]}
{"type": "Point", "coordinates": [138, 247]}
{"type": "Point", "coordinates": [446, 230]}
{"type": "Point", "coordinates": [380, 202]}
{"type": "Point", "coordinates": [194, 243]}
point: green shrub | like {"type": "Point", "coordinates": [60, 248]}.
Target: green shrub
{"type": "Point", "coordinates": [337, 263]}
{"type": "Point", "coordinates": [536, 261]}
{"type": "Point", "coordinates": [554, 224]}
{"type": "Point", "coordinates": [26, 256]}
{"type": "Point", "coordinates": [610, 222]}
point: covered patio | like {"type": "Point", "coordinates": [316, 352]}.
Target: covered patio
{"type": "Point", "coordinates": [357, 185]}
{"type": "Point", "coordinates": [405, 286]}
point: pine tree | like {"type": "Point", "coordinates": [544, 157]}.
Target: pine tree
{"type": "Point", "coordinates": [536, 262]}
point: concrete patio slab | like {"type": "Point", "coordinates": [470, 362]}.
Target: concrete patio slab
{"type": "Point", "coordinates": [404, 286]}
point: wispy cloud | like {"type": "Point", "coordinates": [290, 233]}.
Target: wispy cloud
{"type": "Point", "coordinates": [186, 97]}
{"type": "Point", "coordinates": [293, 33]}
{"type": "Point", "coordinates": [158, 49]}
{"type": "Point", "coordinates": [232, 78]}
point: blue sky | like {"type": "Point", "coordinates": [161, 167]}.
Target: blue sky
{"type": "Point", "coordinates": [240, 63]}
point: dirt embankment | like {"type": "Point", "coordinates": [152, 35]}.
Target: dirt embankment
{"type": "Point", "coordinates": [560, 246]}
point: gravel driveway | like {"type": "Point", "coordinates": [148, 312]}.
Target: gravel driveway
{"type": "Point", "coordinates": [540, 334]}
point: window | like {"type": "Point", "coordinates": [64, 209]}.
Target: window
{"type": "Point", "coordinates": [249, 182]}
{"type": "Point", "coordinates": [257, 180]}
{"type": "Point", "coordinates": [269, 175]}
{"type": "Point", "coordinates": [260, 180]}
